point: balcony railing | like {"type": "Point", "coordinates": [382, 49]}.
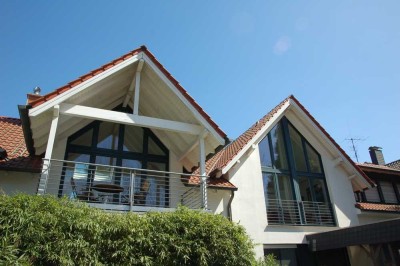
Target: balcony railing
{"type": "Point", "coordinates": [121, 188]}
{"type": "Point", "coordinates": [291, 212]}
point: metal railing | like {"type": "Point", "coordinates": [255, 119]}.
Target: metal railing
{"type": "Point", "coordinates": [121, 188]}
{"type": "Point", "coordinates": [291, 212]}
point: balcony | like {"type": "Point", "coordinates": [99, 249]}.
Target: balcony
{"type": "Point", "coordinates": [291, 212]}
{"type": "Point", "coordinates": [117, 188]}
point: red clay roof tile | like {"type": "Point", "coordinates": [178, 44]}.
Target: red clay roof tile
{"type": "Point", "coordinates": [377, 207]}
{"type": "Point", "coordinates": [12, 140]}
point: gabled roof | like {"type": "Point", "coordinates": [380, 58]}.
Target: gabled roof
{"type": "Point", "coordinates": [38, 101]}
{"type": "Point", "coordinates": [230, 153]}
{"type": "Point", "coordinates": [12, 140]}
{"type": "Point", "coordinates": [370, 167]}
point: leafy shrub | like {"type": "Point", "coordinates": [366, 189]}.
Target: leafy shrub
{"type": "Point", "coordinates": [43, 230]}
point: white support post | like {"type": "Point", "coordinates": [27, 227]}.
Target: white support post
{"type": "Point", "coordinates": [131, 191]}
{"type": "Point", "coordinates": [202, 158]}
{"type": "Point", "coordinates": [137, 88]}
{"type": "Point", "coordinates": [49, 150]}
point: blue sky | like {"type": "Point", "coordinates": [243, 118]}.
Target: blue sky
{"type": "Point", "coordinates": [238, 59]}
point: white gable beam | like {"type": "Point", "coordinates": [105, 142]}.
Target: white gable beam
{"type": "Point", "coordinates": [278, 115]}
{"type": "Point", "coordinates": [75, 90]}
{"type": "Point", "coordinates": [137, 88]}
{"type": "Point", "coordinates": [134, 84]}
{"type": "Point", "coordinates": [129, 119]}
{"type": "Point", "coordinates": [197, 115]}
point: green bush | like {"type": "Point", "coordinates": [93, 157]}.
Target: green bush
{"type": "Point", "coordinates": [43, 230]}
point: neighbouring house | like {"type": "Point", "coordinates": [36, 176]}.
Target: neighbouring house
{"type": "Point", "coordinates": [128, 137]}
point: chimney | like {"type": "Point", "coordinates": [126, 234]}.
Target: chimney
{"type": "Point", "coordinates": [376, 155]}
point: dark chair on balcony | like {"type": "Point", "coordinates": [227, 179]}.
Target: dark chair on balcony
{"type": "Point", "coordinates": [82, 195]}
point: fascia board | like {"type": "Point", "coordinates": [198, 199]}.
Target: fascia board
{"type": "Point", "coordinates": [327, 142]}
{"type": "Point", "coordinates": [266, 128]}
{"type": "Point", "coordinates": [66, 95]}
{"type": "Point", "coordinates": [197, 115]}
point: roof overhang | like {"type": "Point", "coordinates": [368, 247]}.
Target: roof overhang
{"type": "Point", "coordinates": [375, 233]}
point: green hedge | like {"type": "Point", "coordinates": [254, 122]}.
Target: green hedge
{"type": "Point", "coordinates": [43, 230]}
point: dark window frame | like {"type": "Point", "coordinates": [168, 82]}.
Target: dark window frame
{"type": "Point", "coordinates": [119, 154]}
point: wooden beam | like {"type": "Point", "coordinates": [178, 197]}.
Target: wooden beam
{"type": "Point", "coordinates": [137, 88]}
{"type": "Point", "coordinates": [202, 159]}
{"type": "Point", "coordinates": [134, 83]}
{"type": "Point", "coordinates": [129, 119]}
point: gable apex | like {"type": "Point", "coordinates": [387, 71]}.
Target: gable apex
{"type": "Point", "coordinates": [227, 157]}
{"type": "Point", "coordinates": [40, 104]}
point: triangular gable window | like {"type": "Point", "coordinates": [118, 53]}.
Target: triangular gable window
{"type": "Point", "coordinates": [294, 182]}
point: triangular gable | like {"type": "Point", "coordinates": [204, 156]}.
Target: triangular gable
{"type": "Point", "coordinates": [47, 101]}
{"type": "Point", "coordinates": [227, 157]}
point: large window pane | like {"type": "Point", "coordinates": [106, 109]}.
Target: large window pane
{"type": "Point", "coordinates": [278, 147]}
{"type": "Point", "coordinates": [388, 192]}
{"type": "Point", "coordinates": [106, 173]}
{"type": "Point", "coordinates": [313, 160]}
{"type": "Point", "coordinates": [305, 191]}
{"type": "Point", "coordinates": [320, 191]}
{"type": "Point", "coordinates": [285, 187]}
{"type": "Point", "coordinates": [133, 139]}
{"type": "Point", "coordinates": [298, 151]}
{"type": "Point", "coordinates": [269, 186]}
{"type": "Point", "coordinates": [153, 148]}
{"type": "Point", "coordinates": [372, 195]}
{"type": "Point", "coordinates": [108, 136]}
{"type": "Point", "coordinates": [85, 139]}
{"type": "Point", "coordinates": [265, 153]}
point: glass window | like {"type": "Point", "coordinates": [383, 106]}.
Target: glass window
{"type": "Point", "coordinates": [108, 136]}
{"type": "Point", "coordinates": [305, 191]}
{"type": "Point", "coordinates": [388, 192]}
{"type": "Point", "coordinates": [85, 139]}
{"type": "Point", "coordinates": [154, 148]}
{"type": "Point", "coordinates": [133, 139]}
{"type": "Point", "coordinates": [285, 187]}
{"type": "Point", "coordinates": [298, 151]}
{"type": "Point", "coordinates": [372, 195]}
{"type": "Point", "coordinates": [265, 155]}
{"type": "Point", "coordinates": [291, 194]}
{"type": "Point", "coordinates": [313, 159]}
{"type": "Point", "coordinates": [269, 186]}
{"type": "Point", "coordinates": [278, 147]}
{"type": "Point", "coordinates": [284, 256]}
{"type": "Point", "coordinates": [320, 192]}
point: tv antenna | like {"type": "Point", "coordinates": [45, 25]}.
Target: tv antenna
{"type": "Point", "coordinates": [353, 140]}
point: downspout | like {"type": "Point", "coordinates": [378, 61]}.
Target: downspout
{"type": "Point", "coordinates": [230, 205]}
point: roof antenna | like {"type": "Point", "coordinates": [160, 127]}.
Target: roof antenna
{"type": "Point", "coordinates": [354, 146]}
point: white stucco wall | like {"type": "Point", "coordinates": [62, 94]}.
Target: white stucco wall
{"type": "Point", "coordinates": [248, 206]}
{"type": "Point", "coordinates": [12, 182]}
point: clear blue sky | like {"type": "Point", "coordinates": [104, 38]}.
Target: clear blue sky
{"type": "Point", "coordinates": [238, 59]}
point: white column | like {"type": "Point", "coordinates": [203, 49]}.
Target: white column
{"type": "Point", "coordinates": [202, 160]}
{"type": "Point", "coordinates": [49, 150]}
{"type": "Point", "coordinates": [137, 88]}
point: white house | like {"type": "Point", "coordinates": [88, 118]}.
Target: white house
{"type": "Point", "coordinates": [128, 137]}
